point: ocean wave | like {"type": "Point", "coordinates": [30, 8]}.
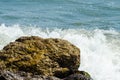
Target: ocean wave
{"type": "Point", "coordinates": [99, 48]}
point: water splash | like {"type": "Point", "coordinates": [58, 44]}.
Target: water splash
{"type": "Point", "coordinates": [99, 48]}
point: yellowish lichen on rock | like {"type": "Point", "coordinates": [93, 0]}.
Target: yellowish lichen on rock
{"type": "Point", "coordinates": [41, 56]}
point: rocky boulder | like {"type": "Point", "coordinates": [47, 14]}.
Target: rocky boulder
{"type": "Point", "coordinates": [35, 55]}
{"type": "Point", "coordinates": [7, 75]}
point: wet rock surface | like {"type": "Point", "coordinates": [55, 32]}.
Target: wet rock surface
{"type": "Point", "coordinates": [49, 59]}
{"type": "Point", "coordinates": [7, 75]}
{"type": "Point", "coordinates": [79, 75]}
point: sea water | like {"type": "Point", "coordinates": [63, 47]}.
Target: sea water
{"type": "Point", "coordinates": [91, 25]}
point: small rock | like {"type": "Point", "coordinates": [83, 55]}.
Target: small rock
{"type": "Point", "coordinates": [80, 75]}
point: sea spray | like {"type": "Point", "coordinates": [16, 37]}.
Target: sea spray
{"type": "Point", "coordinates": [99, 48]}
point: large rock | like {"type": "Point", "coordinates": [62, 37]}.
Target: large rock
{"type": "Point", "coordinates": [35, 55]}
{"type": "Point", "coordinates": [7, 75]}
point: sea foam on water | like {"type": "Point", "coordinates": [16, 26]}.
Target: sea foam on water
{"type": "Point", "coordinates": [100, 49]}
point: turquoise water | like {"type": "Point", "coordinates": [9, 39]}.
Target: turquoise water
{"type": "Point", "coordinates": [89, 14]}
{"type": "Point", "coordinates": [91, 25]}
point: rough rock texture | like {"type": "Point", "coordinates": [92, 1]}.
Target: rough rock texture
{"type": "Point", "coordinates": [49, 57]}
{"type": "Point", "coordinates": [7, 75]}
{"type": "Point", "coordinates": [80, 75]}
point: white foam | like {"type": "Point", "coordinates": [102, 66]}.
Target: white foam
{"type": "Point", "coordinates": [100, 49]}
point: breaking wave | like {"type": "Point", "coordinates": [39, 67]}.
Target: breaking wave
{"type": "Point", "coordinates": [100, 49]}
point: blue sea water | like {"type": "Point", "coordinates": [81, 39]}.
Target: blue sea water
{"type": "Point", "coordinates": [92, 25]}
{"type": "Point", "coordinates": [90, 14]}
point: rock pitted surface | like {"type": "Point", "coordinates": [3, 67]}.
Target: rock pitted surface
{"type": "Point", "coordinates": [79, 75]}
{"type": "Point", "coordinates": [35, 58]}
{"type": "Point", "coordinates": [49, 57]}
